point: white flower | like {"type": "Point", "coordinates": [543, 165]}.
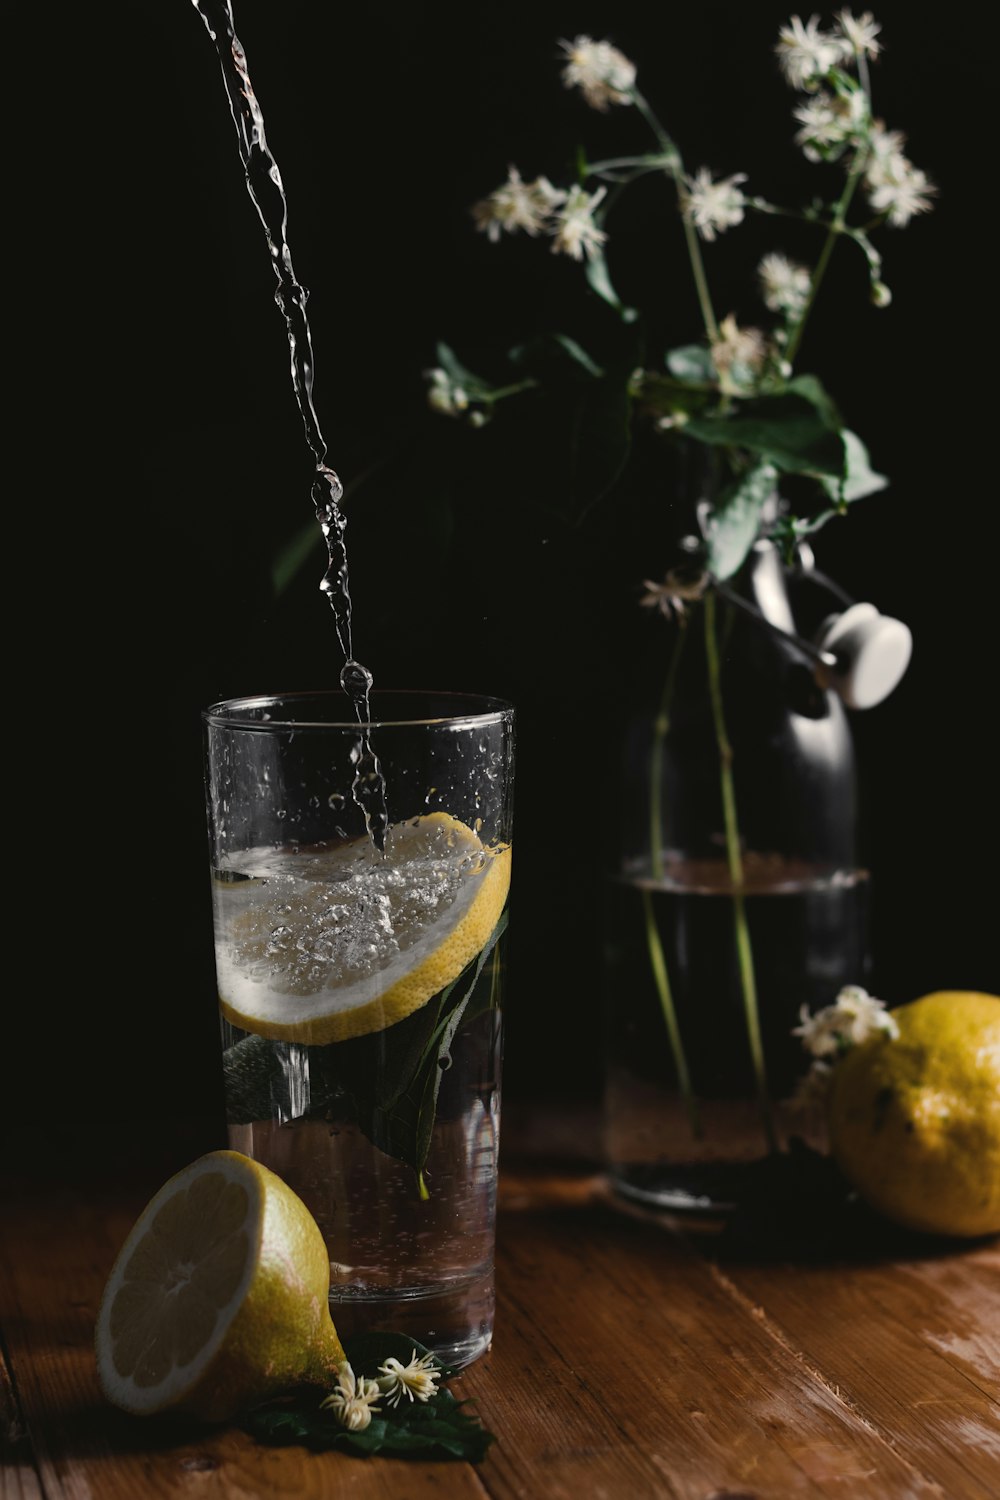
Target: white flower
{"type": "Point", "coordinates": [852, 1018]}
{"type": "Point", "coordinates": [884, 148]}
{"type": "Point", "coordinates": [353, 1400]}
{"type": "Point", "coordinates": [860, 32]}
{"type": "Point", "coordinates": [784, 284]}
{"type": "Point", "coordinates": [602, 74]}
{"type": "Point", "coordinates": [417, 1380]}
{"type": "Point", "coordinates": [445, 395]}
{"type": "Point", "coordinates": [713, 206]}
{"type": "Point", "coordinates": [517, 205]}
{"type": "Point", "coordinates": [679, 588]}
{"type": "Point", "coordinates": [806, 54]}
{"type": "Point", "coordinates": [829, 122]}
{"type": "Point", "coordinates": [737, 353]}
{"type": "Point", "coordinates": [576, 234]}
{"type": "Point", "coordinates": [900, 190]}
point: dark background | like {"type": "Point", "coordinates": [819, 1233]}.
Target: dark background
{"type": "Point", "coordinates": [171, 363]}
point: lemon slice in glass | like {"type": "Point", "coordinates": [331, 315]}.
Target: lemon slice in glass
{"type": "Point", "coordinates": [326, 944]}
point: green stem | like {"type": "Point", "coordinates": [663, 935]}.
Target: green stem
{"type": "Point", "coordinates": [657, 957]}
{"type": "Point", "coordinates": [744, 952]}
{"type": "Point", "coordinates": [674, 167]}
{"type": "Point", "coordinates": [658, 964]}
{"type": "Point", "coordinates": [661, 727]}
{"type": "Point", "coordinates": [834, 232]}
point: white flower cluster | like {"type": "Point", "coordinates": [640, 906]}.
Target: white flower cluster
{"type": "Point", "coordinates": [852, 1018]}
{"type": "Point", "coordinates": [738, 354]}
{"type": "Point", "coordinates": [539, 208]}
{"type": "Point", "coordinates": [837, 114]}
{"type": "Point", "coordinates": [354, 1397]}
{"type": "Point", "coordinates": [806, 54]}
{"type": "Point", "coordinates": [602, 74]}
{"type": "Point", "coordinates": [894, 185]}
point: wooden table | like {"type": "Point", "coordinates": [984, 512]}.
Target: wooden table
{"type": "Point", "coordinates": [630, 1360]}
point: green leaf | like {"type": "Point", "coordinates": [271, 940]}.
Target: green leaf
{"type": "Point", "coordinates": [440, 1425]}
{"type": "Point", "coordinates": [554, 350]}
{"type": "Point", "coordinates": [395, 1096]}
{"type": "Point", "coordinates": [599, 280]}
{"type": "Point", "coordinates": [734, 524]}
{"type": "Point", "coordinates": [453, 367]}
{"type": "Point", "coordinates": [786, 429]}
{"type": "Point", "coordinates": [811, 389]}
{"type": "Point", "coordinates": [692, 363]}
{"type": "Point", "coordinates": [859, 477]}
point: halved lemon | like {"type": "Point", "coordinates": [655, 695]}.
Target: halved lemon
{"type": "Point", "coordinates": [325, 945]}
{"type": "Point", "coordinates": [218, 1297]}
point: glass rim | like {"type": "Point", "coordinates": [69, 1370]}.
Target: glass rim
{"type": "Point", "coordinates": [473, 710]}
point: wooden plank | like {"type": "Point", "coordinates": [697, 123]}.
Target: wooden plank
{"type": "Point", "coordinates": [913, 1343]}
{"type": "Point", "coordinates": [55, 1256]}
{"type": "Point", "coordinates": [607, 1324]}
{"type": "Point", "coordinates": [19, 1478]}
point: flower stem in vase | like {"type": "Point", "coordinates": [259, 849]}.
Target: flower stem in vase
{"type": "Point", "coordinates": [657, 957]}
{"type": "Point", "coordinates": [744, 951]}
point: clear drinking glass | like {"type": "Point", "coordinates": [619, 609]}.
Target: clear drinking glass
{"type": "Point", "coordinates": [360, 989]}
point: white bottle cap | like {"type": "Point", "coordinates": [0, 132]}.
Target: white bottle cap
{"type": "Point", "coordinates": [872, 650]}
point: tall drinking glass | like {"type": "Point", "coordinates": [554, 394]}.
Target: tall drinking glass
{"type": "Point", "coordinates": [360, 987]}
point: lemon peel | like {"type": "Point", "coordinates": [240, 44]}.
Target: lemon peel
{"type": "Point", "coordinates": [914, 1120]}
{"type": "Point", "coordinates": [218, 1299]}
{"type": "Point", "coordinates": [413, 963]}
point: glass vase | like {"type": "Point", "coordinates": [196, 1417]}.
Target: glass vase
{"type": "Point", "coordinates": [735, 901]}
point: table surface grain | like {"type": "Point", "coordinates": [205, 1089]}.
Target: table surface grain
{"type": "Point", "coordinates": [631, 1359]}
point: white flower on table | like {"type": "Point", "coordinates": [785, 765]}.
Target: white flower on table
{"type": "Point", "coordinates": [852, 1018]}
{"type": "Point", "coordinates": [576, 233]}
{"type": "Point", "coordinates": [417, 1381]}
{"type": "Point", "coordinates": [806, 54]}
{"type": "Point", "coordinates": [602, 74]}
{"type": "Point", "coordinates": [517, 204]}
{"type": "Point", "coordinates": [713, 207]}
{"type": "Point", "coordinates": [353, 1399]}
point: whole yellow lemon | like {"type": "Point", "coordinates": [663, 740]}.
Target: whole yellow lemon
{"type": "Point", "coordinates": [915, 1119]}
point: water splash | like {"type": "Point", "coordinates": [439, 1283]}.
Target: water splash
{"type": "Point", "coordinates": [263, 180]}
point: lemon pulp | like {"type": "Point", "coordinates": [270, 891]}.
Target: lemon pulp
{"type": "Point", "coordinates": [327, 944]}
{"type": "Point", "coordinates": [218, 1297]}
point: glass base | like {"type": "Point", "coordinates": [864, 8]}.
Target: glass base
{"type": "Point", "coordinates": [455, 1323]}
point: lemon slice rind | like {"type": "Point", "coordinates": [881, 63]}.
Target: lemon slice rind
{"type": "Point", "coordinates": [399, 988]}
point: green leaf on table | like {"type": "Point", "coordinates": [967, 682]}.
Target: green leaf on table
{"type": "Point", "coordinates": [439, 1426]}
{"type": "Point", "coordinates": [734, 524]}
